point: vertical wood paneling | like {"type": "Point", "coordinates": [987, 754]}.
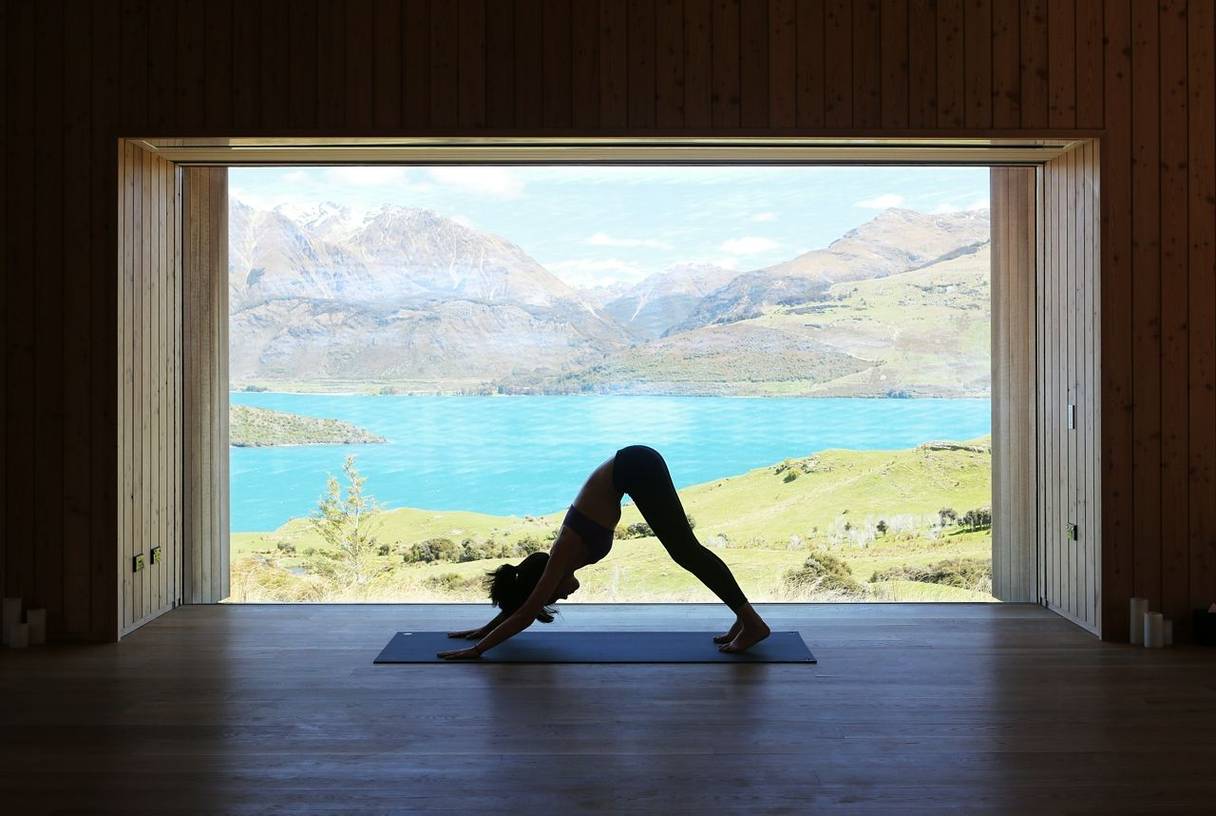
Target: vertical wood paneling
{"type": "Point", "coordinates": [867, 64]}
{"type": "Point", "coordinates": [386, 79]}
{"type": "Point", "coordinates": [614, 64]}
{"type": "Point", "coordinates": [895, 75]}
{"type": "Point", "coordinates": [1006, 66]}
{"type": "Point", "coordinates": [951, 64]}
{"type": "Point", "coordinates": [416, 62]}
{"type": "Point", "coordinates": [1034, 73]}
{"type": "Point", "coordinates": [1013, 345]}
{"type": "Point", "coordinates": [274, 53]}
{"type": "Point", "coordinates": [445, 66]}
{"type": "Point", "coordinates": [76, 349]}
{"type": "Point", "coordinates": [205, 385]}
{"type": "Point", "coordinates": [472, 64]}
{"type": "Point", "coordinates": [669, 64]}
{"type": "Point", "coordinates": [641, 75]}
{"type": "Point", "coordinates": [1118, 498]}
{"type": "Point", "coordinates": [1201, 271]}
{"type": "Point", "coordinates": [1146, 301]}
{"type": "Point", "coordinates": [148, 400]}
{"type": "Point", "coordinates": [782, 63]}
{"type": "Point", "coordinates": [1089, 63]}
{"type": "Point", "coordinates": [1062, 64]}
{"type": "Point", "coordinates": [500, 53]}
{"type": "Point", "coordinates": [977, 49]}
{"type": "Point", "coordinates": [1068, 472]}
{"type": "Point", "coordinates": [557, 66]}
{"type": "Point", "coordinates": [753, 65]}
{"type": "Point", "coordinates": [1175, 369]}
{"type": "Point", "coordinates": [222, 67]}
{"type": "Point", "coordinates": [725, 65]}
{"type": "Point", "coordinates": [48, 393]}
{"type": "Point", "coordinates": [838, 64]}
{"type": "Point", "coordinates": [303, 51]}
{"type": "Point", "coordinates": [811, 66]}
{"type": "Point", "coordinates": [698, 61]}
{"type": "Point", "coordinates": [922, 64]}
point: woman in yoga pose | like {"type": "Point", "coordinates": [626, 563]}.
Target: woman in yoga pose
{"type": "Point", "coordinates": [524, 591]}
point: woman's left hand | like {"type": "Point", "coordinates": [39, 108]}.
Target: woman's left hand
{"type": "Point", "coordinates": [459, 654]}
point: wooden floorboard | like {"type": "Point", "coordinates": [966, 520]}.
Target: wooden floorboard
{"type": "Point", "coordinates": [912, 708]}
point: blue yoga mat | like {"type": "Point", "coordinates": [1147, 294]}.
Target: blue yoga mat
{"type": "Point", "coordinates": [598, 647]}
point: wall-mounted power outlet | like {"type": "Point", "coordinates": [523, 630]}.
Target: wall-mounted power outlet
{"type": "Point", "coordinates": [137, 563]}
{"type": "Point", "coordinates": [1072, 532]}
{"type": "Point", "coordinates": [156, 555]}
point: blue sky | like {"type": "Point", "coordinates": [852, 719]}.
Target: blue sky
{"type": "Point", "coordinates": [598, 225]}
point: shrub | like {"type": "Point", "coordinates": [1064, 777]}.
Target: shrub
{"type": "Point", "coordinates": [451, 582]}
{"type": "Point", "coordinates": [963, 573]}
{"type": "Point", "coordinates": [383, 549]}
{"type": "Point", "coordinates": [790, 475]}
{"type": "Point", "coordinates": [433, 549]}
{"type": "Point", "coordinates": [822, 571]}
{"type": "Point", "coordinates": [285, 548]}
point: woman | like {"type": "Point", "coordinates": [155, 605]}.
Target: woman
{"type": "Point", "coordinates": [524, 592]}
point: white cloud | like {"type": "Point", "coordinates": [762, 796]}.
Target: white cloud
{"type": "Point", "coordinates": [368, 176]}
{"type": "Point", "coordinates": [881, 202]}
{"type": "Point", "coordinates": [604, 239]}
{"type": "Point", "coordinates": [764, 216]}
{"type": "Point", "coordinates": [748, 245]}
{"type": "Point", "coordinates": [496, 182]}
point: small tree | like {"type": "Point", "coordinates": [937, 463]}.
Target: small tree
{"type": "Point", "coordinates": [345, 524]}
{"type": "Point", "coordinates": [946, 516]}
{"type": "Point", "coordinates": [881, 527]}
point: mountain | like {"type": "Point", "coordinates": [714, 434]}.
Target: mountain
{"type": "Point", "coordinates": [897, 240]}
{"type": "Point", "coordinates": [403, 294]}
{"type": "Point", "coordinates": [666, 299]}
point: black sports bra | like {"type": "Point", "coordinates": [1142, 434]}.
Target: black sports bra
{"type": "Point", "coordinates": [597, 537]}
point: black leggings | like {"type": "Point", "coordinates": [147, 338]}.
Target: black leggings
{"type": "Point", "coordinates": [641, 472]}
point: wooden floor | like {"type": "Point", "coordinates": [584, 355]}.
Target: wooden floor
{"type": "Point", "coordinates": [911, 709]}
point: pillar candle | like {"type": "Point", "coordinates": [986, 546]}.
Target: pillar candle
{"type": "Point", "coordinates": [19, 635]}
{"type": "Point", "coordinates": [1154, 630]}
{"type": "Point", "coordinates": [36, 618]}
{"type": "Point", "coordinates": [1138, 607]}
{"type": "Point", "coordinates": [12, 614]}
{"type": "Point", "coordinates": [1169, 632]}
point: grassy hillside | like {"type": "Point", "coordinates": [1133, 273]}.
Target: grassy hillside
{"type": "Point", "coordinates": [251, 427]}
{"type": "Point", "coordinates": [762, 523]}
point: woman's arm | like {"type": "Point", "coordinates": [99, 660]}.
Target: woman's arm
{"type": "Point", "coordinates": [522, 618]}
{"type": "Point", "coordinates": [480, 631]}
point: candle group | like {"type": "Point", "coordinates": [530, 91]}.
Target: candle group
{"type": "Point", "coordinates": [1149, 629]}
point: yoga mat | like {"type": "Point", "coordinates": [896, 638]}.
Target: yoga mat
{"type": "Point", "coordinates": [598, 647]}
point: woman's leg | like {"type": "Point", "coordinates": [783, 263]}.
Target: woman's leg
{"type": "Point", "coordinates": [641, 472]}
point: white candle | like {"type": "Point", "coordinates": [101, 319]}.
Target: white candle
{"type": "Point", "coordinates": [1169, 632]}
{"type": "Point", "coordinates": [19, 636]}
{"type": "Point", "coordinates": [1154, 630]}
{"type": "Point", "coordinates": [12, 614]}
{"type": "Point", "coordinates": [1138, 607]}
{"type": "Point", "coordinates": [36, 618]}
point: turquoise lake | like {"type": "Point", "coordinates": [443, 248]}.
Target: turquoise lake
{"type": "Point", "coordinates": [522, 455]}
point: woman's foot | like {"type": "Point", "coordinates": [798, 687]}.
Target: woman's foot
{"type": "Point", "coordinates": [729, 636]}
{"type": "Point", "coordinates": [752, 631]}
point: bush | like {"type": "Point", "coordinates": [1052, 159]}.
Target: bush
{"type": "Point", "coordinates": [790, 475]}
{"type": "Point", "coordinates": [433, 549]}
{"type": "Point", "coordinates": [963, 573]}
{"type": "Point", "coordinates": [285, 548]}
{"type": "Point", "coordinates": [822, 571]}
{"type": "Point", "coordinates": [383, 549]}
{"type": "Point", "coordinates": [451, 582]}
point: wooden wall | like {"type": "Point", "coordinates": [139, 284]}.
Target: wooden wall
{"type": "Point", "coordinates": [1015, 416]}
{"type": "Point", "coordinates": [75, 75]}
{"type": "Point", "coordinates": [149, 377]}
{"type": "Point", "coordinates": [205, 415]}
{"type": "Point", "coordinates": [1068, 346]}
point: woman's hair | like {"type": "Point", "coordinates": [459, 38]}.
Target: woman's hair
{"type": "Point", "coordinates": [511, 584]}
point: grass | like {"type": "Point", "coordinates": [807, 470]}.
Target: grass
{"type": "Point", "coordinates": [760, 524]}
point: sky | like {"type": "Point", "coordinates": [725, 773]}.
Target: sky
{"type": "Point", "coordinates": [598, 225]}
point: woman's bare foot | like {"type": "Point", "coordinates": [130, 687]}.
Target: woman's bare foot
{"type": "Point", "coordinates": [729, 636]}
{"type": "Point", "coordinates": [752, 631]}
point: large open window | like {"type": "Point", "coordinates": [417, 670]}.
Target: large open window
{"type": "Point", "coordinates": [870, 365]}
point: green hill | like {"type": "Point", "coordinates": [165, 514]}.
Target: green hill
{"type": "Point", "coordinates": [761, 523]}
{"type": "Point", "coordinates": [251, 427]}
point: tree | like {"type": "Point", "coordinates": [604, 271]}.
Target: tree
{"type": "Point", "coordinates": [946, 515]}
{"type": "Point", "coordinates": [881, 527]}
{"type": "Point", "coordinates": [345, 524]}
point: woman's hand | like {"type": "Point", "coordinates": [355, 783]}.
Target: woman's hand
{"type": "Point", "coordinates": [468, 634]}
{"type": "Point", "coordinates": [470, 653]}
